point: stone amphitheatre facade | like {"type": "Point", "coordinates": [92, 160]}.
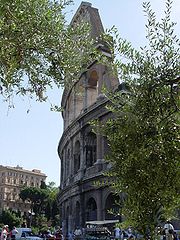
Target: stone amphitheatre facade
{"type": "Point", "coordinates": [81, 151]}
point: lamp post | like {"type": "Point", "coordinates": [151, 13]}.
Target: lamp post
{"type": "Point", "coordinates": [31, 214]}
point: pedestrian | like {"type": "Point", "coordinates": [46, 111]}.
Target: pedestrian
{"type": "Point", "coordinates": [13, 233]}
{"type": "Point", "coordinates": [169, 230]}
{"type": "Point", "coordinates": [77, 233]}
{"type": "Point", "coordinates": [117, 233]}
{"type": "Point", "coordinates": [4, 233]}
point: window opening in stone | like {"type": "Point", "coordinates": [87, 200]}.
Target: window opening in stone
{"type": "Point", "coordinates": [113, 207]}
{"type": "Point", "coordinates": [91, 210]}
{"type": "Point", "coordinates": [93, 79]}
{"type": "Point", "coordinates": [90, 149]}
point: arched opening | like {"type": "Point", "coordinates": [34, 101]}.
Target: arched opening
{"type": "Point", "coordinates": [91, 210]}
{"type": "Point", "coordinates": [90, 146]}
{"type": "Point", "coordinates": [93, 79]}
{"type": "Point", "coordinates": [77, 216]}
{"type": "Point", "coordinates": [77, 157]}
{"type": "Point", "coordinates": [92, 88]}
{"type": "Point", "coordinates": [113, 207]}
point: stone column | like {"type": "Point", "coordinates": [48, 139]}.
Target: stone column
{"type": "Point", "coordinates": [99, 205]}
{"type": "Point", "coordinates": [62, 162]}
{"type": "Point", "coordinates": [63, 165]}
{"type": "Point", "coordinates": [71, 158]}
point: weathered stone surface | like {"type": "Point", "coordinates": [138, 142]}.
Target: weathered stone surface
{"type": "Point", "coordinates": [80, 150]}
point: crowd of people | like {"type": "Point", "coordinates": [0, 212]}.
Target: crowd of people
{"type": "Point", "coordinates": [6, 233]}
{"type": "Point", "coordinates": [167, 233]}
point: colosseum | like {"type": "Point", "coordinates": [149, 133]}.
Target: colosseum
{"type": "Point", "coordinates": [81, 151]}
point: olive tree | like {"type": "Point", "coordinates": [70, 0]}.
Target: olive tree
{"type": "Point", "coordinates": [143, 132]}
{"type": "Point", "coordinates": [38, 49]}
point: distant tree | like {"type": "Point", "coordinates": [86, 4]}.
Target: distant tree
{"type": "Point", "coordinates": [43, 202]}
{"type": "Point", "coordinates": [43, 185]}
{"type": "Point", "coordinates": [37, 47]}
{"type": "Point", "coordinates": [143, 133]}
{"type": "Point", "coordinates": [36, 196]}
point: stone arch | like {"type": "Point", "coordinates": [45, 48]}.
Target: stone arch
{"type": "Point", "coordinates": [76, 156]}
{"type": "Point", "coordinates": [91, 210]}
{"type": "Point", "coordinates": [112, 207]}
{"type": "Point", "coordinates": [90, 148]}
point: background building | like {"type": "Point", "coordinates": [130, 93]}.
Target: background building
{"type": "Point", "coordinates": [82, 151]}
{"type": "Point", "coordinates": [12, 179]}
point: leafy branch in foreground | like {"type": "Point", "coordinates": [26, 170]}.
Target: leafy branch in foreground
{"type": "Point", "coordinates": [38, 48]}
{"type": "Point", "coordinates": [144, 133]}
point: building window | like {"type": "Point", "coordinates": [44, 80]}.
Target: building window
{"type": "Point", "coordinates": [90, 148]}
{"type": "Point", "coordinates": [91, 210]}
{"type": "Point", "coordinates": [93, 79]}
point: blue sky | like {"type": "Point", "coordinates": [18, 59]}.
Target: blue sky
{"type": "Point", "coordinates": [31, 139]}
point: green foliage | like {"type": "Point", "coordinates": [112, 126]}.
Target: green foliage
{"type": "Point", "coordinates": [43, 203]}
{"type": "Point", "coordinates": [43, 185]}
{"type": "Point", "coordinates": [36, 196]}
{"type": "Point", "coordinates": [9, 217]}
{"type": "Point", "coordinates": [144, 133]}
{"type": "Point", "coordinates": [51, 209]}
{"type": "Point", "coordinates": [38, 49]}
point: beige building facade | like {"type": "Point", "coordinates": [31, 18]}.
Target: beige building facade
{"type": "Point", "coordinates": [12, 180]}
